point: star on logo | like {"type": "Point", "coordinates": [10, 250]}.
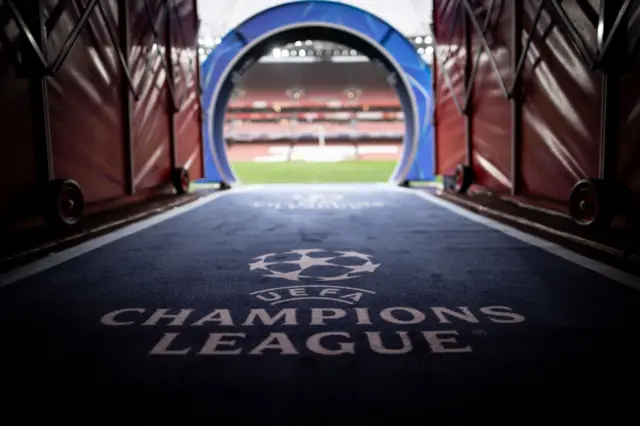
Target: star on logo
{"type": "Point", "coordinates": [342, 277]}
{"type": "Point", "coordinates": [354, 254]}
{"type": "Point", "coordinates": [307, 262]}
{"type": "Point", "coordinates": [291, 276]}
{"type": "Point", "coordinates": [260, 264]}
{"type": "Point", "coordinates": [367, 267]}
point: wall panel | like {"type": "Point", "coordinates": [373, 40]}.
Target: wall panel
{"type": "Point", "coordinates": [561, 100]}
{"type": "Point", "coordinates": [150, 114]}
{"type": "Point", "coordinates": [561, 113]}
{"type": "Point", "coordinates": [449, 122]}
{"type": "Point", "coordinates": [184, 37]}
{"type": "Point", "coordinates": [628, 148]}
{"type": "Point", "coordinates": [491, 124]}
{"type": "Point", "coordinates": [86, 108]}
{"type": "Point", "coordinates": [17, 155]}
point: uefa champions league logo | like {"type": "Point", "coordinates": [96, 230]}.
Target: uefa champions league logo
{"type": "Point", "coordinates": [314, 264]}
{"type": "Point", "coordinates": [335, 322]}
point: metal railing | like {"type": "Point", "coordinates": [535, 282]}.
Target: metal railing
{"type": "Point", "coordinates": [29, 56]}
{"type": "Point", "coordinates": [610, 23]}
{"type": "Point", "coordinates": [589, 58]}
{"type": "Point", "coordinates": [10, 10]}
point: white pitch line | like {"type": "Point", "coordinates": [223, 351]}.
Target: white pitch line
{"type": "Point", "coordinates": [578, 259]}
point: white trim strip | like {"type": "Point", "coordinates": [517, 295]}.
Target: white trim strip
{"type": "Point", "coordinates": [55, 259]}
{"type": "Point", "coordinates": [573, 257]}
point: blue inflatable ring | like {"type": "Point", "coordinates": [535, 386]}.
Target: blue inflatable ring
{"type": "Point", "coordinates": [381, 41]}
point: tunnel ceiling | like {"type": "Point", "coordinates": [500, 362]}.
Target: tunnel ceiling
{"type": "Point", "coordinates": [409, 17]}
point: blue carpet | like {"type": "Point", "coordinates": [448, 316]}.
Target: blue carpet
{"type": "Point", "coordinates": [304, 304]}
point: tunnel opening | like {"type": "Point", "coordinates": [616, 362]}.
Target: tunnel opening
{"type": "Point", "coordinates": [344, 36]}
{"type": "Point", "coordinates": [314, 111]}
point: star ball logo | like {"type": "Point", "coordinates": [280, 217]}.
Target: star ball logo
{"type": "Point", "coordinates": [319, 201]}
{"type": "Point", "coordinates": [316, 266]}
{"type": "Point", "coordinates": [317, 198]}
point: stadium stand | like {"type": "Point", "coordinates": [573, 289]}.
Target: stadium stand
{"type": "Point", "coordinates": [284, 111]}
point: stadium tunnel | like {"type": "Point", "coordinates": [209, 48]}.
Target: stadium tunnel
{"type": "Point", "coordinates": [327, 21]}
{"type": "Point", "coordinates": [163, 304]}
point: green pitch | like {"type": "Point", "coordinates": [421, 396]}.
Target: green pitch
{"type": "Point", "coordinates": [304, 172]}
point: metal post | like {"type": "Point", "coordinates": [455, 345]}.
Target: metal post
{"type": "Point", "coordinates": [516, 95]}
{"type": "Point", "coordinates": [33, 13]}
{"type": "Point", "coordinates": [197, 23]}
{"type": "Point", "coordinates": [201, 111]}
{"type": "Point", "coordinates": [611, 73]}
{"type": "Point", "coordinates": [171, 80]}
{"type": "Point", "coordinates": [434, 90]}
{"type": "Point", "coordinates": [127, 97]}
{"type": "Point", "coordinates": [468, 83]}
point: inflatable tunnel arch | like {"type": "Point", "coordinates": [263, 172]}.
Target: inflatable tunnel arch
{"type": "Point", "coordinates": [331, 21]}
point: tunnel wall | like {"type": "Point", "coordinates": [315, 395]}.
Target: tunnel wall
{"type": "Point", "coordinates": [87, 104]}
{"type": "Point", "coordinates": [555, 138]}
